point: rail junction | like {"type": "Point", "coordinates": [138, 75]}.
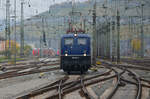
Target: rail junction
{"type": "Point", "coordinates": [74, 49]}
{"type": "Point", "coordinates": [121, 77]}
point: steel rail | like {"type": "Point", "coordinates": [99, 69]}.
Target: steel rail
{"type": "Point", "coordinates": [31, 66]}
{"type": "Point", "coordinates": [25, 63]}
{"type": "Point", "coordinates": [137, 78]}
{"type": "Point", "coordinates": [60, 86]}
{"type": "Point", "coordinates": [116, 85]}
{"type": "Point", "coordinates": [59, 90]}
{"type": "Point", "coordinates": [91, 82]}
{"type": "Point", "coordinates": [64, 86]}
{"type": "Point", "coordinates": [40, 91]}
{"type": "Point", "coordinates": [71, 84]}
{"type": "Point", "coordinates": [125, 66]}
{"type": "Point", "coordinates": [128, 81]}
{"type": "Point", "coordinates": [139, 86]}
{"type": "Point", "coordinates": [147, 81]}
{"type": "Point", "coordinates": [84, 90]}
{"type": "Point", "coordinates": [15, 74]}
{"type": "Point", "coordinates": [142, 62]}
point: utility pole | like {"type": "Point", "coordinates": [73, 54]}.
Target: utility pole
{"type": "Point", "coordinates": [94, 35]}
{"type": "Point", "coordinates": [7, 29]}
{"type": "Point", "coordinates": [142, 32]}
{"type": "Point", "coordinates": [113, 41]}
{"type": "Point", "coordinates": [15, 30]}
{"type": "Point", "coordinates": [9, 54]}
{"type": "Point", "coordinates": [22, 30]}
{"type": "Point", "coordinates": [40, 46]}
{"type": "Point", "coordinates": [72, 15]}
{"type": "Point", "coordinates": [43, 30]}
{"type": "Point", "coordinates": [84, 25]}
{"type": "Point", "coordinates": [118, 36]}
{"type": "Point", "coordinates": [107, 30]}
{"type": "Point", "coordinates": [108, 40]}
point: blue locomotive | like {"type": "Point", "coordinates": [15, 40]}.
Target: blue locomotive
{"type": "Point", "coordinates": [75, 52]}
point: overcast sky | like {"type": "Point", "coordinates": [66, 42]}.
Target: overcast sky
{"type": "Point", "coordinates": [37, 6]}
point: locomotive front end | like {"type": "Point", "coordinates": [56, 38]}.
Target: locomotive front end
{"type": "Point", "coordinates": [75, 52]}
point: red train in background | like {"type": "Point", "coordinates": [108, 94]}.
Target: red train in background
{"type": "Point", "coordinates": [45, 52]}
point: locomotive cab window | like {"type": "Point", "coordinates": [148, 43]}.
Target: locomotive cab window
{"type": "Point", "coordinates": [82, 41]}
{"type": "Point", "coordinates": [68, 41]}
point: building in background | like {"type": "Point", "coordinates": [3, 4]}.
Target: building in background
{"type": "Point", "coordinates": [2, 44]}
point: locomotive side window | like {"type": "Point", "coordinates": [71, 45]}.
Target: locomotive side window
{"type": "Point", "coordinates": [68, 41]}
{"type": "Point", "coordinates": [82, 41]}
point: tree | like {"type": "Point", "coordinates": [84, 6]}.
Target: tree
{"type": "Point", "coordinates": [27, 50]}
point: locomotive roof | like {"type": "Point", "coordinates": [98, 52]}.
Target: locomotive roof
{"type": "Point", "coordinates": [78, 35]}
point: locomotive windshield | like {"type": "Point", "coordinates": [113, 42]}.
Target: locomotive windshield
{"type": "Point", "coordinates": [81, 41]}
{"type": "Point", "coordinates": [68, 41]}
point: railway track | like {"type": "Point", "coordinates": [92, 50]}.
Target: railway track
{"type": "Point", "coordinates": [137, 81]}
{"type": "Point", "coordinates": [20, 71]}
{"type": "Point", "coordinates": [68, 84]}
{"type": "Point", "coordinates": [27, 68]}
{"type": "Point", "coordinates": [26, 63]}
{"type": "Point", "coordinates": [31, 66]}
{"type": "Point", "coordinates": [116, 86]}
{"type": "Point", "coordinates": [139, 86]}
{"type": "Point", "coordinates": [30, 62]}
{"type": "Point", "coordinates": [140, 62]}
{"type": "Point", "coordinates": [125, 65]}
{"type": "Point", "coordinates": [63, 88]}
{"type": "Point", "coordinates": [121, 82]}
{"type": "Point", "coordinates": [16, 74]}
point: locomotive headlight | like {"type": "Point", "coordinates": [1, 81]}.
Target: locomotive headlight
{"type": "Point", "coordinates": [84, 54]}
{"type": "Point", "coordinates": [75, 34]}
{"type": "Point", "coordinates": [66, 53]}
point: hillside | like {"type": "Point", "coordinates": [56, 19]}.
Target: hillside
{"type": "Point", "coordinates": [55, 21]}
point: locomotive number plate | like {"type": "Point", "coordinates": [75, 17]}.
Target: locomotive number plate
{"type": "Point", "coordinates": [75, 57]}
